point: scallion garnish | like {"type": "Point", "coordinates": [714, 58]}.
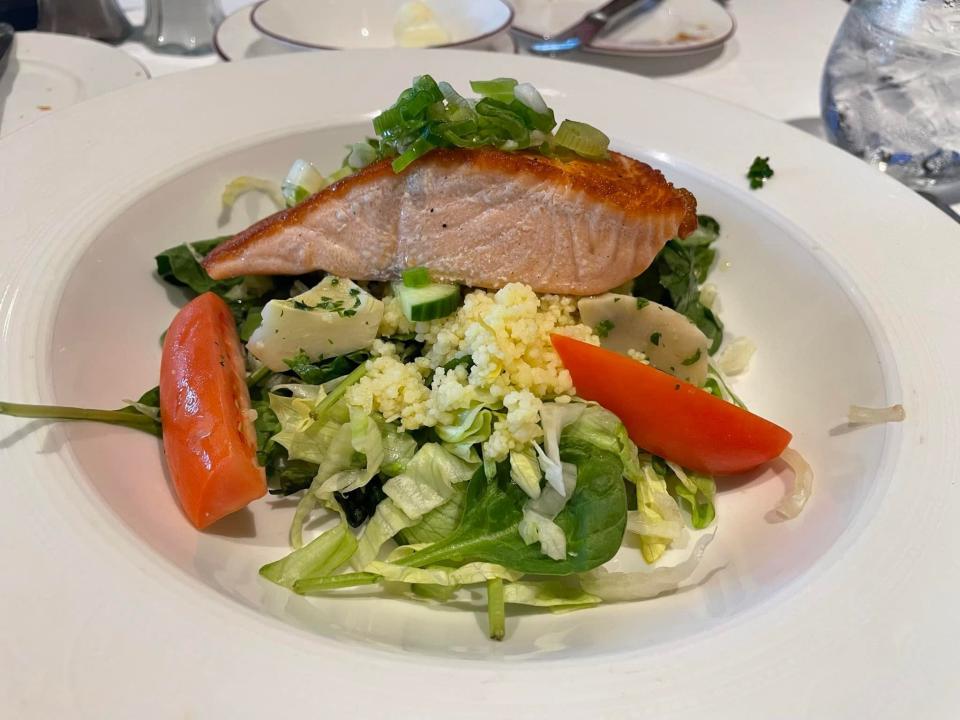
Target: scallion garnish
{"type": "Point", "coordinates": [416, 277]}
{"type": "Point", "coordinates": [509, 116]}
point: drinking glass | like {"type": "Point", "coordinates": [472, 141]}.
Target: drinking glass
{"type": "Point", "coordinates": [891, 89]}
{"type": "Point", "coordinates": [183, 27]}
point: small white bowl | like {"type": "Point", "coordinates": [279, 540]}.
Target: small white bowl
{"type": "Point", "coordinates": [367, 24]}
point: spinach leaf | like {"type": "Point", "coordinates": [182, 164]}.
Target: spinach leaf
{"type": "Point", "coordinates": [360, 504]}
{"type": "Point", "coordinates": [179, 266]}
{"type": "Point", "coordinates": [593, 520]}
{"type": "Point", "coordinates": [321, 371]}
{"type": "Point", "coordinates": [284, 476]}
{"type": "Point", "coordinates": [675, 276]}
{"type": "Point", "coordinates": [128, 417]}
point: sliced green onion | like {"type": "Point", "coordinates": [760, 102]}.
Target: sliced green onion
{"type": "Point", "coordinates": [509, 115]}
{"type": "Point", "coordinates": [361, 155]}
{"type": "Point", "coordinates": [416, 277]}
{"type": "Point", "coordinates": [498, 89]}
{"type": "Point", "coordinates": [498, 116]}
{"type": "Point", "coordinates": [420, 147]}
{"type": "Point", "coordinates": [585, 140]}
{"type": "Point", "coordinates": [531, 97]}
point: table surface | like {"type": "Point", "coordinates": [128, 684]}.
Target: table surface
{"type": "Point", "coordinates": [772, 63]}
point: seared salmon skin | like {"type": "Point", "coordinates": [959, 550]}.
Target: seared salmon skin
{"type": "Point", "coordinates": [481, 217]}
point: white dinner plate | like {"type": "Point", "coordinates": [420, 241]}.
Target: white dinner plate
{"type": "Point", "coordinates": [115, 607]}
{"type": "Point", "coordinates": [49, 72]}
{"type": "Point", "coordinates": [675, 27]}
{"type": "Point", "coordinates": [236, 38]}
{"type": "Point", "coordinates": [372, 24]}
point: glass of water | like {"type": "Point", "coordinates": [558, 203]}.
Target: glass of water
{"type": "Point", "coordinates": [891, 89]}
{"type": "Point", "coordinates": [183, 27]}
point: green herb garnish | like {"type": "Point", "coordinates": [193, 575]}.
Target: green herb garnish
{"type": "Point", "coordinates": [655, 339]}
{"type": "Point", "coordinates": [759, 172]}
{"type": "Point", "coordinates": [604, 327]}
{"type": "Point", "coordinates": [508, 116]}
{"type": "Point", "coordinates": [675, 276]}
{"type": "Point", "coordinates": [416, 277]}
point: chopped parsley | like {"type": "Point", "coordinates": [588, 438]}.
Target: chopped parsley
{"type": "Point", "coordinates": [759, 172]}
{"type": "Point", "coordinates": [642, 303]}
{"type": "Point", "coordinates": [604, 327]}
{"type": "Point", "coordinates": [655, 339]}
{"type": "Point", "coordinates": [329, 304]}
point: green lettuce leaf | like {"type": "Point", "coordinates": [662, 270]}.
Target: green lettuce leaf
{"type": "Point", "coordinates": [322, 556]}
{"type": "Point", "coordinates": [592, 521]}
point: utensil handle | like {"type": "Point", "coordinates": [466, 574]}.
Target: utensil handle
{"type": "Point", "coordinates": [614, 7]}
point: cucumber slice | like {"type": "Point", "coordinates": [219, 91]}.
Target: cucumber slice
{"type": "Point", "coordinates": [429, 302]}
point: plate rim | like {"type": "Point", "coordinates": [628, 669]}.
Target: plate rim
{"type": "Point", "coordinates": [649, 51]}
{"type": "Point", "coordinates": [297, 43]}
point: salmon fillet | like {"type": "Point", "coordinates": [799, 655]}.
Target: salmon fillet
{"type": "Point", "coordinates": [482, 218]}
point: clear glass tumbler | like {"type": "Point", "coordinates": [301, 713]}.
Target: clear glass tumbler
{"type": "Point", "coordinates": [183, 27]}
{"type": "Point", "coordinates": [891, 89]}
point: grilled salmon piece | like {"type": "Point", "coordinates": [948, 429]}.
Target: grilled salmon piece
{"type": "Point", "coordinates": [479, 217]}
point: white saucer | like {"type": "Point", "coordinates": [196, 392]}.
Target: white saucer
{"type": "Point", "coordinates": [675, 27]}
{"type": "Point", "coordinates": [49, 72]}
{"type": "Point", "coordinates": [237, 39]}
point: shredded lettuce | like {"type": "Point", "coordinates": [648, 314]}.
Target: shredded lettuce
{"type": "Point", "coordinates": [643, 584]}
{"type": "Point", "coordinates": [657, 519]}
{"type": "Point", "coordinates": [427, 482]}
{"type": "Point", "coordinates": [322, 556]}
{"type": "Point", "coordinates": [472, 426]}
{"type": "Point", "coordinates": [525, 471]}
{"type": "Point", "coordinates": [386, 522]}
{"type": "Point", "coordinates": [245, 184]}
{"type": "Point", "coordinates": [537, 523]}
{"type": "Point", "coordinates": [695, 493]}
{"type": "Point", "coordinates": [398, 449]}
{"type": "Point", "coordinates": [796, 497]}
{"type": "Point", "coordinates": [553, 594]}
{"type": "Point", "coordinates": [304, 437]}
{"type": "Point", "coordinates": [440, 522]}
{"type": "Point", "coordinates": [475, 572]}
{"type": "Point", "coordinates": [425, 485]}
{"type": "Point", "coordinates": [554, 417]}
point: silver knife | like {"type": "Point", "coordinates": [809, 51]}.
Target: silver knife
{"type": "Point", "coordinates": [591, 25]}
{"type": "Point", "coordinates": [6, 41]}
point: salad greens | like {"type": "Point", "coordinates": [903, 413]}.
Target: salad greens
{"type": "Point", "coordinates": [675, 276]}
{"type": "Point", "coordinates": [143, 415]}
{"type": "Point", "coordinates": [533, 528]}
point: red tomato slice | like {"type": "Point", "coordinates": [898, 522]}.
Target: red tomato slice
{"type": "Point", "coordinates": [208, 438]}
{"type": "Point", "coordinates": [668, 417]}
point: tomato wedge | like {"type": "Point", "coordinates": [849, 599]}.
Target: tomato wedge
{"type": "Point", "coordinates": [208, 436]}
{"type": "Point", "coordinates": [668, 417]}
